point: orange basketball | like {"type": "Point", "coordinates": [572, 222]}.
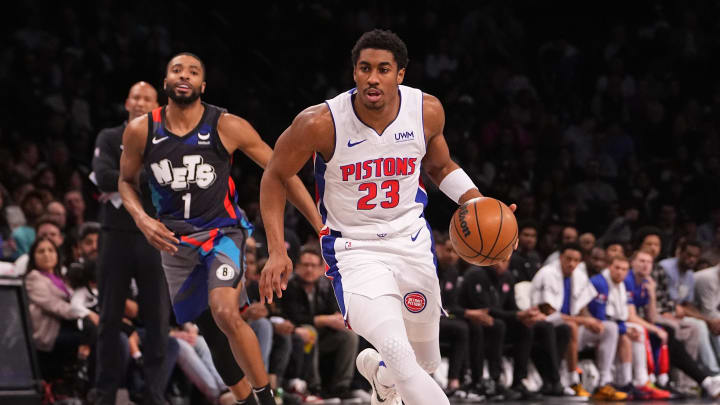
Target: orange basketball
{"type": "Point", "coordinates": [483, 231]}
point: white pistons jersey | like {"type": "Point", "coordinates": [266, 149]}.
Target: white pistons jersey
{"type": "Point", "coordinates": [371, 186]}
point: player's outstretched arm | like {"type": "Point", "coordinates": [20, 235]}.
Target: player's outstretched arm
{"type": "Point", "coordinates": [131, 162]}
{"type": "Point", "coordinates": [243, 136]}
{"type": "Point", "coordinates": [441, 169]}
{"type": "Point", "coordinates": [311, 131]}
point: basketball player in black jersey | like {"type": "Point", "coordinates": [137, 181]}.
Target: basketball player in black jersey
{"type": "Point", "coordinates": [186, 148]}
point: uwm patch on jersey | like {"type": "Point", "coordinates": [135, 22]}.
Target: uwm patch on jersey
{"type": "Point", "coordinates": [192, 171]}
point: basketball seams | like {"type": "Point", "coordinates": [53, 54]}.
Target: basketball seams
{"type": "Point", "coordinates": [479, 258]}
{"type": "Point", "coordinates": [499, 229]}
{"type": "Point", "coordinates": [512, 241]}
{"type": "Point", "coordinates": [477, 223]}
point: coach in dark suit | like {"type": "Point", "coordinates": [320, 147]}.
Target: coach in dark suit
{"type": "Point", "coordinates": [124, 254]}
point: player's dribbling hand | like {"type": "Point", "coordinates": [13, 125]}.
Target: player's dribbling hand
{"type": "Point", "coordinates": [158, 235]}
{"type": "Point", "coordinates": [274, 277]}
{"type": "Point", "coordinates": [513, 208]}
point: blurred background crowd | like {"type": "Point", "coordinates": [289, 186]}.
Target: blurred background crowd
{"type": "Point", "coordinates": [596, 119]}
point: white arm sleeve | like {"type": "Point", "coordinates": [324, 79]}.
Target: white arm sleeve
{"type": "Point", "coordinates": [456, 183]}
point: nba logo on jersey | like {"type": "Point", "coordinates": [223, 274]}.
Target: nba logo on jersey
{"type": "Point", "coordinates": [415, 301]}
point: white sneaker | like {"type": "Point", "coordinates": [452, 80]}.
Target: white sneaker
{"type": "Point", "coordinates": [712, 385]}
{"type": "Point", "coordinates": [368, 362]}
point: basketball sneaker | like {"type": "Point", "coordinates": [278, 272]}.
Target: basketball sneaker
{"type": "Point", "coordinates": [650, 391]}
{"type": "Point", "coordinates": [368, 363]}
{"type": "Point", "coordinates": [608, 393]}
{"type": "Point", "coordinates": [580, 391]}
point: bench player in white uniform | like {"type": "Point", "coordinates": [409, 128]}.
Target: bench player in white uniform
{"type": "Point", "coordinates": [369, 145]}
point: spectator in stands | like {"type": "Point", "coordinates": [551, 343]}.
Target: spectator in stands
{"type": "Point", "coordinates": [56, 211]}
{"type": "Point", "coordinates": [646, 310]}
{"type": "Point", "coordinates": [614, 249]}
{"type": "Point", "coordinates": [195, 360]}
{"type": "Point", "coordinates": [621, 228]}
{"type": "Point", "coordinates": [526, 261]}
{"type": "Point", "coordinates": [494, 288]}
{"type": "Point", "coordinates": [613, 304]}
{"type": "Point", "coordinates": [561, 293]}
{"type": "Point", "coordinates": [454, 331]}
{"type": "Point", "coordinates": [75, 206]}
{"type": "Point", "coordinates": [680, 272]}
{"type": "Point", "coordinates": [569, 234]}
{"type": "Point", "coordinates": [86, 245]}
{"type": "Point", "coordinates": [597, 262]}
{"type": "Point", "coordinates": [56, 333]}
{"type": "Point", "coordinates": [309, 302]}
{"type": "Point", "coordinates": [44, 228]}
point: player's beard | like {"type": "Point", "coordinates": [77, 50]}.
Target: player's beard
{"type": "Point", "coordinates": [182, 99]}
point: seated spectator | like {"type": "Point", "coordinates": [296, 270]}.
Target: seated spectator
{"type": "Point", "coordinates": [569, 234]}
{"type": "Point", "coordinates": [494, 288]}
{"type": "Point", "coordinates": [44, 228]}
{"type": "Point", "coordinates": [613, 248]}
{"type": "Point", "coordinates": [62, 332]}
{"type": "Point", "coordinates": [453, 328]}
{"type": "Point", "coordinates": [75, 207]}
{"type": "Point", "coordinates": [86, 245]}
{"type": "Point", "coordinates": [195, 360]}
{"type": "Point", "coordinates": [526, 261]}
{"type": "Point", "coordinates": [256, 314]}
{"type": "Point", "coordinates": [646, 292]}
{"type": "Point", "coordinates": [55, 210]}
{"type": "Point", "coordinates": [612, 303]}
{"type": "Point", "coordinates": [563, 294]}
{"type": "Point", "coordinates": [680, 272]}
{"type": "Point", "coordinates": [309, 302]}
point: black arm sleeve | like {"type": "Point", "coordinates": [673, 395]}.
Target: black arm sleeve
{"type": "Point", "coordinates": [106, 162]}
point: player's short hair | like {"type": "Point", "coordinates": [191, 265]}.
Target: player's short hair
{"type": "Point", "coordinates": [611, 242]}
{"type": "Point", "coordinates": [88, 228]}
{"type": "Point", "coordinates": [190, 54]}
{"type": "Point", "coordinates": [311, 250]}
{"type": "Point", "coordinates": [382, 39]}
{"type": "Point", "coordinates": [570, 246]}
{"type": "Point", "coordinates": [689, 242]}
{"type": "Point", "coordinates": [528, 224]}
{"type": "Point", "coordinates": [621, 258]}
{"type": "Point", "coordinates": [44, 220]}
{"type": "Point", "coordinates": [638, 252]}
{"type": "Point", "coordinates": [644, 232]}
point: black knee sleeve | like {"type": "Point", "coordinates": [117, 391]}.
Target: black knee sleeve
{"type": "Point", "coordinates": [222, 354]}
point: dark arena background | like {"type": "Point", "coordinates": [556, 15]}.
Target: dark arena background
{"type": "Point", "coordinates": [600, 120]}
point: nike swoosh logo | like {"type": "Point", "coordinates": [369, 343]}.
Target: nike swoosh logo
{"type": "Point", "coordinates": [351, 143]}
{"type": "Point", "coordinates": [156, 141]}
{"type": "Point", "coordinates": [416, 235]}
{"type": "Point", "coordinates": [203, 137]}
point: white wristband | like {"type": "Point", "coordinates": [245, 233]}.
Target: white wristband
{"type": "Point", "coordinates": [456, 183]}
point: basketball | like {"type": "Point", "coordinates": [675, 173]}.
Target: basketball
{"type": "Point", "coordinates": [483, 231]}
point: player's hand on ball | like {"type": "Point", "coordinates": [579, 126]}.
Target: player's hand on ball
{"type": "Point", "coordinates": [158, 235]}
{"type": "Point", "coordinates": [274, 276]}
{"type": "Point", "coordinates": [513, 208]}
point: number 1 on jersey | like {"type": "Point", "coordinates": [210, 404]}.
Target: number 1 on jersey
{"type": "Point", "coordinates": [392, 195]}
{"type": "Point", "coordinates": [187, 197]}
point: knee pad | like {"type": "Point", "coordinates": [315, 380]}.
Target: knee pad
{"type": "Point", "coordinates": [430, 366]}
{"type": "Point", "coordinates": [398, 356]}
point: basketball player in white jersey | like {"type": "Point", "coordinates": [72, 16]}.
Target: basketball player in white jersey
{"type": "Point", "coordinates": [369, 145]}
